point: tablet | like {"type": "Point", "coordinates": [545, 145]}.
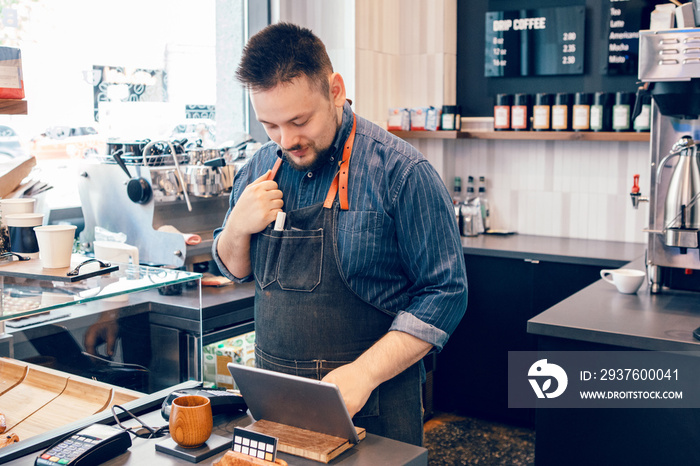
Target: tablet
{"type": "Point", "coordinates": [294, 401]}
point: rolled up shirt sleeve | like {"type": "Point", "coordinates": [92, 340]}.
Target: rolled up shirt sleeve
{"type": "Point", "coordinates": [431, 253]}
{"type": "Point", "coordinates": [222, 267]}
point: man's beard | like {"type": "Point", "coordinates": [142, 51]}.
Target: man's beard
{"type": "Point", "coordinates": [322, 157]}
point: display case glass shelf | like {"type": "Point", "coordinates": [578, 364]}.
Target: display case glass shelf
{"type": "Point", "coordinates": [28, 294]}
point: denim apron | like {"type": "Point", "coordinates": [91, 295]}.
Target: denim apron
{"type": "Point", "coordinates": [309, 322]}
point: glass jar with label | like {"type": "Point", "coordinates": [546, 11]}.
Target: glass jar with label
{"type": "Point", "coordinates": [450, 119]}
{"type": "Point", "coordinates": [520, 113]}
{"type": "Point", "coordinates": [561, 112]}
{"type": "Point", "coordinates": [601, 112]}
{"type": "Point", "coordinates": [581, 113]}
{"type": "Point", "coordinates": [501, 112]}
{"type": "Point", "coordinates": [622, 111]}
{"type": "Point", "coordinates": [541, 112]}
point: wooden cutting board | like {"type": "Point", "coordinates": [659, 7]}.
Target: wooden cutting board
{"type": "Point", "coordinates": [44, 399]}
{"type": "Point", "coordinates": [79, 400]}
{"type": "Point", "coordinates": [36, 390]}
{"type": "Point", "coordinates": [122, 396]}
{"type": "Point", "coordinates": [33, 269]}
{"type": "Point", "coordinates": [11, 374]}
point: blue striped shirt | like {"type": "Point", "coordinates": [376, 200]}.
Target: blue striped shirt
{"type": "Point", "coordinates": [398, 244]}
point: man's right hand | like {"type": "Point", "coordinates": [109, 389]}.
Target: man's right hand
{"type": "Point", "coordinates": [256, 208]}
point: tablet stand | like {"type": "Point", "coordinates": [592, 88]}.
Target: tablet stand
{"type": "Point", "coordinates": [305, 443]}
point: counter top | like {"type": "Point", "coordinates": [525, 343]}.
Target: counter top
{"type": "Point", "coordinates": [372, 450]}
{"type": "Point", "coordinates": [600, 314]}
{"type": "Point", "coordinates": [221, 300]}
{"type": "Point", "coordinates": [567, 250]}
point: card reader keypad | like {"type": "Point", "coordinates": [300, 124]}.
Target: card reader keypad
{"type": "Point", "coordinates": [69, 449]}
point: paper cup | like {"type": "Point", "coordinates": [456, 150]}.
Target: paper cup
{"type": "Point", "coordinates": [55, 245]}
{"type": "Point", "coordinates": [22, 235]}
{"type": "Point", "coordinates": [23, 205]}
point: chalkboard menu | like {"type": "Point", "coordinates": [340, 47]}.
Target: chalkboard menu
{"type": "Point", "coordinates": [535, 42]}
{"type": "Point", "coordinates": [623, 25]}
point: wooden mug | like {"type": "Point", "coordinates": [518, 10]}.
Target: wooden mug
{"type": "Point", "coordinates": [190, 420]}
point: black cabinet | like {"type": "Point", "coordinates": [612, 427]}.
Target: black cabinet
{"type": "Point", "coordinates": [614, 436]}
{"type": "Point", "coordinates": [504, 293]}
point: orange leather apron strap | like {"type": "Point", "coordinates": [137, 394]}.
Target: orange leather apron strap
{"type": "Point", "coordinates": [341, 178]}
{"type": "Point", "coordinates": [275, 168]}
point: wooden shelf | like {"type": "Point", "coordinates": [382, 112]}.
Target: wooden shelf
{"type": "Point", "coordinates": [13, 107]}
{"type": "Point", "coordinates": [431, 134]}
{"type": "Point", "coordinates": [526, 135]}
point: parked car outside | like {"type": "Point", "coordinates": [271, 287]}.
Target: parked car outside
{"type": "Point", "coordinates": [10, 147]}
{"type": "Point", "coordinates": [59, 142]}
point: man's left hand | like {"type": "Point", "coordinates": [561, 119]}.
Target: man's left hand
{"type": "Point", "coordinates": [352, 384]}
{"type": "Point", "coordinates": [385, 359]}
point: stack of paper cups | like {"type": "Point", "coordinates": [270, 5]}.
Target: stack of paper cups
{"type": "Point", "coordinates": [22, 205]}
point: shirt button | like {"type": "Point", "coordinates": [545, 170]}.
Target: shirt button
{"type": "Point", "coordinates": [332, 159]}
{"type": "Point", "coordinates": [310, 175]}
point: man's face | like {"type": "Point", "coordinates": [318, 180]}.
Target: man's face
{"type": "Point", "coordinates": [300, 119]}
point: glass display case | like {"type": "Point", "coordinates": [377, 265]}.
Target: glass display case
{"type": "Point", "coordinates": [71, 348]}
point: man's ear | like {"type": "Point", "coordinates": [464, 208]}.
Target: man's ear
{"type": "Point", "coordinates": [337, 86]}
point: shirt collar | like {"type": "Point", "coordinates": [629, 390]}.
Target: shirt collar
{"type": "Point", "coordinates": [344, 131]}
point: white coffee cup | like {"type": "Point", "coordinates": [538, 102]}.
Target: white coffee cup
{"type": "Point", "coordinates": [55, 245]}
{"type": "Point", "coordinates": [112, 251]}
{"type": "Point", "coordinates": [22, 205]}
{"type": "Point", "coordinates": [626, 281]}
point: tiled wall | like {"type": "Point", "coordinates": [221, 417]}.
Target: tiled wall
{"type": "Point", "coordinates": [571, 189]}
{"type": "Point", "coordinates": [403, 53]}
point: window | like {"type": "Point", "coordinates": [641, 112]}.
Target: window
{"type": "Point", "coordinates": [120, 70]}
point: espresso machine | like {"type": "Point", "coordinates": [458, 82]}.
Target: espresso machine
{"type": "Point", "coordinates": [669, 67]}
{"type": "Point", "coordinates": [159, 194]}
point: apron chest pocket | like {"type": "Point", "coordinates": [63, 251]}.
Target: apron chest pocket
{"type": "Point", "coordinates": [293, 258]}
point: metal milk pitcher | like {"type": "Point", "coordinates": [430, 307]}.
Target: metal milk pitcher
{"type": "Point", "coordinates": [682, 203]}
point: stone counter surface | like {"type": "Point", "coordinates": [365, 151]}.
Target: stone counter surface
{"type": "Point", "coordinates": [563, 250]}
{"type": "Point", "coordinates": [217, 300]}
{"type": "Point", "coordinates": [566, 250]}
{"type": "Point", "coordinates": [601, 314]}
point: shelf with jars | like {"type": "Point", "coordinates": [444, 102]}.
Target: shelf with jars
{"type": "Point", "coordinates": [483, 128]}
{"type": "Point", "coordinates": [527, 135]}
{"type": "Point", "coordinates": [13, 107]}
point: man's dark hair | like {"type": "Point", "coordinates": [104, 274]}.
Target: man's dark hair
{"type": "Point", "coordinates": [282, 52]}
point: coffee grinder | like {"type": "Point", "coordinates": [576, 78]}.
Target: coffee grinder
{"type": "Point", "coordinates": [669, 67]}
